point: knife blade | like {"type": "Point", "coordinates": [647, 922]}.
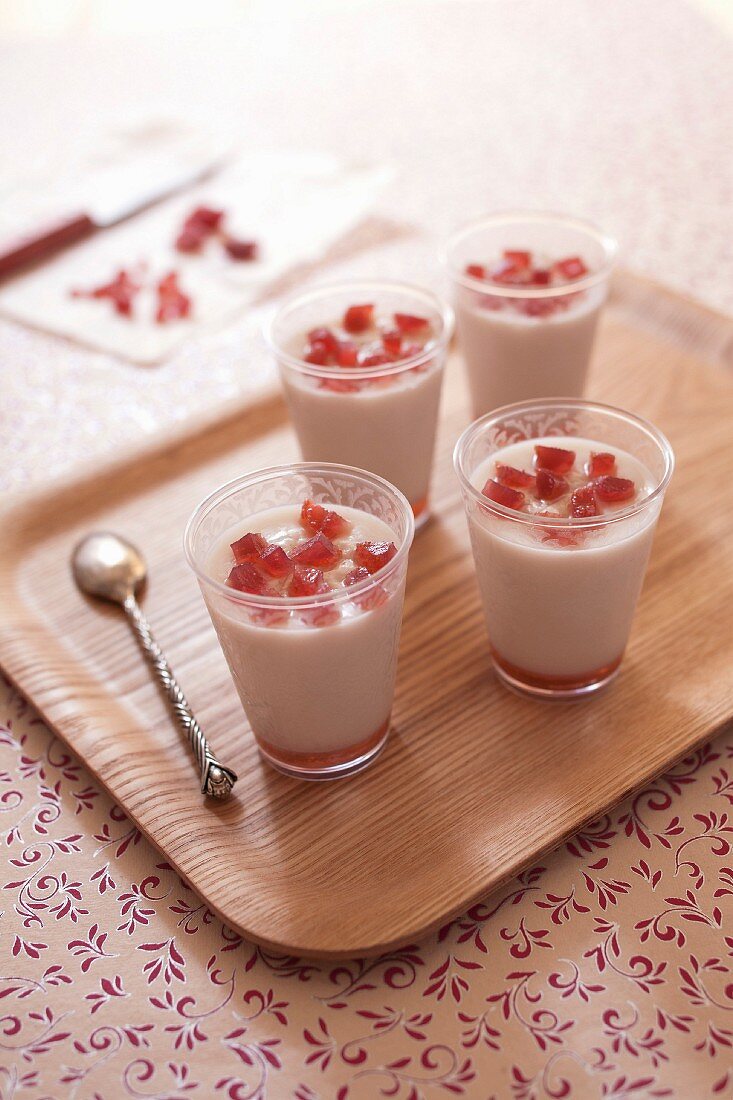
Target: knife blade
{"type": "Point", "coordinates": [114, 194]}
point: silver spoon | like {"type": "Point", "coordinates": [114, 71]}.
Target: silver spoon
{"type": "Point", "coordinates": [111, 568]}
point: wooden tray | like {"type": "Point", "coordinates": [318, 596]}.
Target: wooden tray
{"type": "Point", "coordinates": [475, 783]}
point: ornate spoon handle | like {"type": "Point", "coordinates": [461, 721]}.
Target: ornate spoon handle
{"type": "Point", "coordinates": [216, 780]}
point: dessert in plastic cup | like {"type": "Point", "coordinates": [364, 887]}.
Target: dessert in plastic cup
{"type": "Point", "coordinates": [361, 365]}
{"type": "Point", "coordinates": [562, 499]}
{"type": "Point", "coordinates": [303, 569]}
{"type": "Point", "coordinates": [528, 290]}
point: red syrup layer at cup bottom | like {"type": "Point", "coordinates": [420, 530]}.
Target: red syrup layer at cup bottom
{"type": "Point", "coordinates": [554, 683]}
{"type": "Point", "coordinates": [317, 761]}
{"type": "Point", "coordinates": [419, 507]}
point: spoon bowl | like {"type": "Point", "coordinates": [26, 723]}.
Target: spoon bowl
{"type": "Point", "coordinates": [107, 566]}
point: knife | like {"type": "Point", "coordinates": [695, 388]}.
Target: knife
{"type": "Point", "coordinates": [114, 194]}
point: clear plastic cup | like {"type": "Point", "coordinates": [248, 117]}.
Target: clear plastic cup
{"type": "Point", "coordinates": [381, 418]}
{"type": "Point", "coordinates": [525, 342]}
{"type": "Point", "coordinates": [315, 674]}
{"type": "Point", "coordinates": [559, 594]}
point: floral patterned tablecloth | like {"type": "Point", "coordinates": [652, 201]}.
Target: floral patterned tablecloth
{"type": "Point", "coordinates": [606, 971]}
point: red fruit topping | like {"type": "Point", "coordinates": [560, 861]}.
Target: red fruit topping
{"type": "Point", "coordinates": [519, 260]}
{"type": "Point", "coordinates": [507, 271]}
{"type": "Point", "coordinates": [121, 292]}
{"type": "Point", "coordinates": [515, 479]}
{"type": "Point", "coordinates": [269, 616]}
{"type": "Point", "coordinates": [583, 503]}
{"type": "Point", "coordinates": [572, 267]}
{"type": "Point", "coordinates": [373, 555]}
{"type": "Point", "coordinates": [356, 575]}
{"type": "Point", "coordinates": [560, 536]}
{"type": "Point", "coordinates": [556, 459]}
{"type": "Point", "coordinates": [358, 318]}
{"type": "Point", "coordinates": [408, 323]}
{"type": "Point", "coordinates": [247, 578]}
{"type": "Point", "coordinates": [374, 597]}
{"type": "Point", "coordinates": [241, 250]}
{"type": "Point", "coordinates": [172, 302]}
{"type": "Point", "coordinates": [339, 385]}
{"type": "Point", "coordinates": [324, 336]}
{"type": "Point", "coordinates": [312, 515]}
{"type": "Point", "coordinates": [307, 582]}
{"type": "Point", "coordinates": [537, 307]}
{"type": "Point", "coordinates": [315, 517]}
{"type": "Point", "coordinates": [392, 342]}
{"type": "Point", "coordinates": [614, 489]}
{"type": "Point", "coordinates": [502, 494]}
{"type": "Point", "coordinates": [378, 359]}
{"type": "Point", "coordinates": [190, 239]}
{"type": "Point", "coordinates": [318, 551]}
{"type": "Point", "coordinates": [317, 354]}
{"type": "Point", "coordinates": [476, 271]}
{"type": "Point", "coordinates": [325, 614]}
{"type": "Point", "coordinates": [541, 277]}
{"type": "Point", "coordinates": [275, 562]}
{"type": "Point", "coordinates": [600, 464]}
{"type": "Point", "coordinates": [347, 354]}
{"type": "Point", "coordinates": [249, 548]}
{"type": "Point", "coordinates": [205, 217]}
{"type": "Point", "coordinates": [550, 486]}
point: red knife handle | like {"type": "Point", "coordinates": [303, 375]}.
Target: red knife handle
{"type": "Point", "coordinates": [17, 253]}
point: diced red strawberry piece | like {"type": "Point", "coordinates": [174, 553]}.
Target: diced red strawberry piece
{"type": "Point", "coordinates": [173, 304]}
{"type": "Point", "coordinates": [325, 614]}
{"type": "Point", "coordinates": [269, 616]}
{"type": "Point", "coordinates": [361, 573]}
{"type": "Point", "coordinates": [550, 486]}
{"type": "Point", "coordinates": [374, 555]}
{"type": "Point", "coordinates": [317, 551]}
{"type": "Point", "coordinates": [374, 597]}
{"type": "Point", "coordinates": [392, 342]}
{"type": "Point", "coordinates": [378, 359]}
{"type": "Point", "coordinates": [358, 318]}
{"type": "Point", "coordinates": [241, 250]}
{"type": "Point", "coordinates": [190, 239]}
{"type": "Point", "coordinates": [347, 354]}
{"type": "Point", "coordinates": [307, 582]}
{"type": "Point", "coordinates": [247, 578]}
{"type": "Point", "coordinates": [339, 385]}
{"type": "Point", "coordinates": [324, 336]}
{"type": "Point", "coordinates": [317, 354]}
{"type": "Point", "coordinates": [206, 217]}
{"type": "Point", "coordinates": [515, 479]}
{"type": "Point", "coordinates": [249, 548]}
{"type": "Point", "coordinates": [559, 536]}
{"type": "Point", "coordinates": [315, 517]}
{"type": "Point", "coordinates": [409, 323]}
{"type": "Point", "coordinates": [583, 503]}
{"type": "Point", "coordinates": [476, 271]}
{"type": "Point", "coordinates": [519, 260]}
{"type": "Point", "coordinates": [335, 526]}
{"type": "Point", "coordinates": [506, 271]}
{"type": "Point", "coordinates": [275, 562]}
{"type": "Point", "coordinates": [121, 292]}
{"type": "Point", "coordinates": [537, 307]}
{"type": "Point", "coordinates": [572, 267]}
{"type": "Point", "coordinates": [611, 490]}
{"type": "Point", "coordinates": [503, 494]}
{"type": "Point", "coordinates": [601, 464]}
{"type": "Point", "coordinates": [541, 277]}
{"type": "Point", "coordinates": [556, 459]}
{"type": "Point", "coordinates": [312, 515]}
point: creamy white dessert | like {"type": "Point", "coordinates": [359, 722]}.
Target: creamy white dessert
{"type": "Point", "coordinates": [533, 341]}
{"type": "Point", "coordinates": [559, 600]}
{"type": "Point", "coordinates": [365, 391]}
{"type": "Point", "coordinates": [314, 662]}
{"type": "Point", "coordinates": [511, 356]}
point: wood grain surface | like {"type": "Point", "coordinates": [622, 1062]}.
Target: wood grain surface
{"type": "Point", "coordinates": [475, 782]}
